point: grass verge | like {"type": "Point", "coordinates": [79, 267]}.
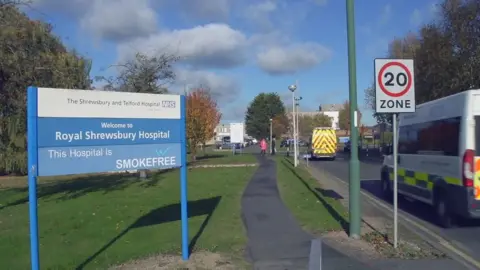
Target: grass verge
{"type": "Point", "coordinates": [210, 158]}
{"type": "Point", "coordinates": [102, 220]}
{"type": "Point", "coordinates": [316, 209]}
{"type": "Point", "coordinates": [383, 244]}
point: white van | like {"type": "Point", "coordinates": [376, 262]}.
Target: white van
{"type": "Point", "coordinates": [439, 156]}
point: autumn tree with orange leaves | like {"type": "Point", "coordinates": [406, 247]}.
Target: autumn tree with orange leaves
{"type": "Point", "coordinates": [344, 117]}
{"type": "Point", "coordinates": [202, 118]}
{"type": "Point", "coordinates": [280, 125]}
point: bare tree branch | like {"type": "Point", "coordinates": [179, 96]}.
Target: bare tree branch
{"type": "Point", "coordinates": [143, 74]}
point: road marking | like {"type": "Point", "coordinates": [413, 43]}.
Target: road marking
{"type": "Point", "coordinates": [315, 258]}
{"type": "Point", "coordinates": [442, 241]}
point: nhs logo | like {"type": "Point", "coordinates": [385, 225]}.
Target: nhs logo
{"type": "Point", "coordinates": [169, 104]}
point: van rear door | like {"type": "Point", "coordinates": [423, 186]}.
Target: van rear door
{"type": "Point", "coordinates": [475, 181]}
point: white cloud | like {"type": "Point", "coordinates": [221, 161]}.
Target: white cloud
{"type": "Point", "coordinates": [211, 45]}
{"type": "Point", "coordinates": [434, 9]}
{"type": "Point", "coordinates": [416, 17]}
{"type": "Point", "coordinates": [120, 20]}
{"type": "Point", "coordinates": [259, 14]}
{"type": "Point", "coordinates": [270, 39]}
{"type": "Point", "coordinates": [211, 10]}
{"type": "Point", "coordinates": [71, 8]}
{"type": "Point", "coordinates": [386, 14]}
{"type": "Point", "coordinates": [234, 113]}
{"type": "Point", "coordinates": [279, 60]}
{"type": "Point", "coordinates": [224, 89]}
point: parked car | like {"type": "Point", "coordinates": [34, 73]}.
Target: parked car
{"type": "Point", "coordinates": [284, 143]}
{"type": "Point", "coordinates": [229, 145]}
{"type": "Point", "coordinates": [302, 143]}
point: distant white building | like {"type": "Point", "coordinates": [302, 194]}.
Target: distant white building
{"type": "Point", "coordinates": [332, 111]}
{"type": "Point", "coordinates": [224, 130]}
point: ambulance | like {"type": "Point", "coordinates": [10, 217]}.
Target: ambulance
{"type": "Point", "coordinates": [438, 160]}
{"type": "Point", "coordinates": [323, 143]}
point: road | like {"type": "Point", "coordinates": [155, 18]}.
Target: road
{"type": "Point", "coordinates": [465, 237]}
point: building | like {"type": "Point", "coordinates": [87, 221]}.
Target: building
{"type": "Point", "coordinates": [222, 130]}
{"type": "Point", "coordinates": [332, 111]}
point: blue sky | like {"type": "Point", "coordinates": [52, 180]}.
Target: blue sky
{"type": "Point", "coordinates": [240, 48]}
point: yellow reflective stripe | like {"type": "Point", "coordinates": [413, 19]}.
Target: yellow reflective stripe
{"type": "Point", "coordinates": [324, 141]}
{"type": "Point", "coordinates": [421, 176]}
{"type": "Point", "coordinates": [453, 181]}
{"type": "Point", "coordinates": [421, 179]}
{"type": "Point", "coordinates": [410, 180]}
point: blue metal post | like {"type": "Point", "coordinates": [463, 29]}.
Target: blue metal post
{"type": "Point", "coordinates": [183, 179]}
{"type": "Point", "coordinates": [32, 99]}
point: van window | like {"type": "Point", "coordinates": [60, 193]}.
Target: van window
{"type": "Point", "coordinates": [440, 137]}
{"type": "Point", "coordinates": [477, 135]}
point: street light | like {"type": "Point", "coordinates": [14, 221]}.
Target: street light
{"type": "Point", "coordinates": [292, 89]}
{"type": "Point", "coordinates": [297, 131]}
{"type": "Point", "coordinates": [271, 136]}
{"type": "Point", "coordinates": [354, 177]}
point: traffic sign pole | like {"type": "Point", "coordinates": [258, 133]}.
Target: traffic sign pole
{"type": "Point", "coordinates": [354, 168]}
{"type": "Point", "coordinates": [395, 183]}
{"type": "Point", "coordinates": [394, 93]}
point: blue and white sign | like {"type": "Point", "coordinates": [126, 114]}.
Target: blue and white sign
{"type": "Point", "coordinates": [84, 131]}
{"type": "Point", "coordinates": [101, 131]}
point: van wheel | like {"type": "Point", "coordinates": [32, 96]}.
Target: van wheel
{"type": "Point", "coordinates": [386, 190]}
{"type": "Point", "coordinates": [442, 211]}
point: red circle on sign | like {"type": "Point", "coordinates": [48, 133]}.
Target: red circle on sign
{"type": "Point", "coordinates": [380, 79]}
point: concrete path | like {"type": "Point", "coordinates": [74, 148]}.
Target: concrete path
{"type": "Point", "coordinates": [275, 239]}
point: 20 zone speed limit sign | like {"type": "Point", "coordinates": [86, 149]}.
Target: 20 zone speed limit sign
{"type": "Point", "coordinates": [394, 86]}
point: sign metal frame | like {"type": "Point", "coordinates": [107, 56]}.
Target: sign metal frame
{"type": "Point", "coordinates": [64, 121]}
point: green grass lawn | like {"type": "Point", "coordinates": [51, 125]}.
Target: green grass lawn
{"type": "Point", "coordinates": [224, 158]}
{"type": "Point", "coordinates": [317, 209]}
{"type": "Point", "coordinates": [105, 220]}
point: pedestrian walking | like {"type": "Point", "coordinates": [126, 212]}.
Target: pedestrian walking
{"type": "Point", "coordinates": [273, 146]}
{"type": "Point", "coordinates": [263, 146]}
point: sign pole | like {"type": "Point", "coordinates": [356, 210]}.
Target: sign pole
{"type": "Point", "coordinates": [394, 94]}
{"type": "Point", "coordinates": [294, 131]}
{"type": "Point", "coordinates": [59, 135]}
{"type": "Point", "coordinates": [395, 177]}
{"type": "Point", "coordinates": [183, 179]}
{"type": "Point", "coordinates": [32, 174]}
{"type": "Point", "coordinates": [354, 164]}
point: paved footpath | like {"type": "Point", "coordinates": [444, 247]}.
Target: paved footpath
{"type": "Point", "coordinates": [275, 239]}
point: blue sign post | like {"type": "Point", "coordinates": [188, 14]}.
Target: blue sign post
{"type": "Point", "coordinates": [78, 131]}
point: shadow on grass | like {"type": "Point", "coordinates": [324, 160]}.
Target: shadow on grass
{"type": "Point", "coordinates": [319, 195]}
{"type": "Point", "coordinates": [209, 156]}
{"type": "Point", "coordinates": [166, 214]}
{"type": "Point", "coordinates": [202, 158]}
{"type": "Point", "coordinates": [329, 193]}
{"type": "Point", "coordinates": [80, 186]}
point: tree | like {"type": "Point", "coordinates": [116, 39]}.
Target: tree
{"type": "Point", "coordinates": [143, 74]}
{"type": "Point", "coordinates": [265, 106]}
{"type": "Point", "coordinates": [30, 54]}
{"type": "Point", "coordinates": [446, 53]}
{"type": "Point", "coordinates": [280, 125]}
{"type": "Point", "coordinates": [306, 124]}
{"type": "Point", "coordinates": [202, 118]}
{"type": "Point", "coordinates": [344, 117]}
